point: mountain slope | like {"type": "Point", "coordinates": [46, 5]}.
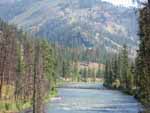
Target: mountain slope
{"type": "Point", "coordinates": [89, 23]}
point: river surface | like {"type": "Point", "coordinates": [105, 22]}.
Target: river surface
{"type": "Point", "coordinates": [91, 98]}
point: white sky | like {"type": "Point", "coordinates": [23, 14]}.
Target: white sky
{"type": "Point", "coordinates": [125, 3]}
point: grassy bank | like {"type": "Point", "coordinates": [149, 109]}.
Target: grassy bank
{"type": "Point", "coordinates": [12, 106]}
{"type": "Point", "coordinates": [51, 95]}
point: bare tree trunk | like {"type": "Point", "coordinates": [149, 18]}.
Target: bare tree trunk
{"type": "Point", "coordinates": [38, 78]}
{"type": "Point", "coordinates": [35, 76]}
{"type": "Point", "coordinates": [2, 62]}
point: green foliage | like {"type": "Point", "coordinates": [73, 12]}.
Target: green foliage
{"type": "Point", "coordinates": [30, 70]}
{"type": "Point", "coordinates": [93, 74]}
{"type": "Point", "coordinates": [75, 72]}
{"type": "Point", "coordinates": [11, 106]}
{"type": "Point", "coordinates": [49, 63]}
{"type": "Point", "coordinates": [119, 72]}
{"type": "Point", "coordinates": [66, 69]}
{"type": "Point", "coordinates": [20, 63]}
{"type": "Point", "coordinates": [75, 33]}
{"type": "Point", "coordinates": [143, 59]}
{"type": "Point", "coordinates": [84, 74]}
{"type": "Point", "coordinates": [124, 67]}
{"type": "Point", "coordinates": [100, 73]}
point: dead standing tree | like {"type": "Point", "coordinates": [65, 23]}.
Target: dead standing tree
{"type": "Point", "coordinates": [2, 60]}
{"type": "Point", "coordinates": [7, 57]}
{"type": "Point", "coordinates": [28, 62]}
{"type": "Point", "coordinates": [38, 80]}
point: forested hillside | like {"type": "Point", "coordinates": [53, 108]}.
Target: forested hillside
{"type": "Point", "coordinates": [91, 24]}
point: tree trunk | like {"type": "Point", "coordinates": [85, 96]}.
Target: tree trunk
{"type": "Point", "coordinates": [38, 74]}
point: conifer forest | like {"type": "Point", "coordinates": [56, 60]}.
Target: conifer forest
{"type": "Point", "coordinates": [74, 56]}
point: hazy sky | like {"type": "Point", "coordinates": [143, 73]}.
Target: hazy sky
{"type": "Point", "coordinates": [126, 3]}
{"type": "Point", "coordinates": [6, 1]}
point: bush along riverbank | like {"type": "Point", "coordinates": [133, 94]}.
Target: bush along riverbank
{"type": "Point", "coordinates": [12, 106]}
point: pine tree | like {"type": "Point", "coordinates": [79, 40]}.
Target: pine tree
{"type": "Point", "coordinates": [66, 69]}
{"type": "Point", "coordinates": [49, 63]}
{"type": "Point", "coordinates": [130, 78]}
{"type": "Point", "coordinates": [143, 59]}
{"type": "Point", "coordinates": [93, 75]}
{"type": "Point", "coordinates": [106, 76]}
{"type": "Point", "coordinates": [76, 75]}
{"type": "Point", "coordinates": [99, 72]}
{"type": "Point", "coordinates": [115, 72]}
{"type": "Point", "coordinates": [124, 68]}
{"type": "Point", "coordinates": [85, 74]}
{"type": "Point", "coordinates": [20, 70]}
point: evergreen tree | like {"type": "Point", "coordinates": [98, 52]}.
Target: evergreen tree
{"type": "Point", "coordinates": [20, 70]}
{"type": "Point", "coordinates": [99, 72]}
{"type": "Point", "coordinates": [66, 69]}
{"type": "Point", "coordinates": [93, 75]}
{"type": "Point", "coordinates": [49, 63]}
{"type": "Point", "coordinates": [130, 78]}
{"type": "Point", "coordinates": [143, 59]}
{"type": "Point", "coordinates": [85, 74]}
{"type": "Point", "coordinates": [124, 69]}
{"type": "Point", "coordinates": [108, 74]}
{"type": "Point", "coordinates": [76, 75]}
{"type": "Point", "coordinates": [115, 72]}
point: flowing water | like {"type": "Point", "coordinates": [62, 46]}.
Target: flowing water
{"type": "Point", "coordinates": [91, 98]}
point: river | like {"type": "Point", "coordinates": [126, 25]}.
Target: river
{"type": "Point", "coordinates": [91, 98]}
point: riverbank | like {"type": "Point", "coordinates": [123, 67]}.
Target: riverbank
{"type": "Point", "coordinates": [133, 92]}
{"type": "Point", "coordinates": [147, 110]}
{"type": "Point", "coordinates": [12, 106]}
